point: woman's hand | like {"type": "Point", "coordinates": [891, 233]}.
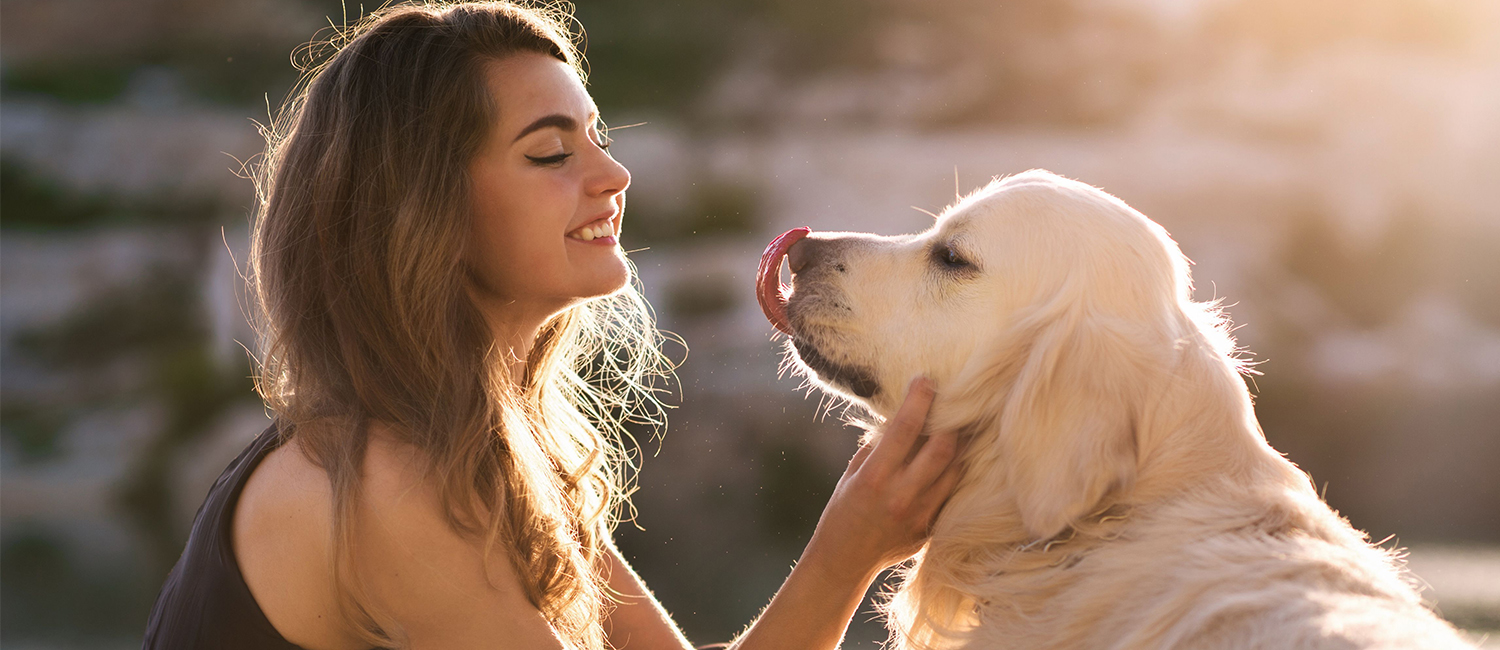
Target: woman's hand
{"type": "Point", "coordinates": [879, 515]}
{"type": "Point", "coordinates": [883, 508]}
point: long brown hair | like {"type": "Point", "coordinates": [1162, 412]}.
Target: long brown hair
{"type": "Point", "coordinates": [357, 266]}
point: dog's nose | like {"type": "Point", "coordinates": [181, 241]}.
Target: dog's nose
{"type": "Point", "coordinates": [800, 254]}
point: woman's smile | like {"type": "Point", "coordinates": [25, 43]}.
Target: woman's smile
{"type": "Point", "coordinates": [604, 231]}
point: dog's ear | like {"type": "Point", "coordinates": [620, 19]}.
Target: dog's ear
{"type": "Point", "coordinates": [1067, 432]}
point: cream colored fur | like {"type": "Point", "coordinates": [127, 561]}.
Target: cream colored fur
{"type": "Point", "coordinates": [1118, 492]}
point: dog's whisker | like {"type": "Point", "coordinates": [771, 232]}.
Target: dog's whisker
{"type": "Point", "coordinates": [832, 403]}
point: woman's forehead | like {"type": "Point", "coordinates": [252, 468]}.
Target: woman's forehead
{"type": "Point", "coordinates": [531, 86]}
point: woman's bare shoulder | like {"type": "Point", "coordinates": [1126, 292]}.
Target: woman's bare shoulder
{"type": "Point", "coordinates": [287, 506]}
{"type": "Point", "coordinates": [429, 577]}
{"type": "Point", "coordinates": [396, 481]}
{"type": "Point", "coordinates": [282, 534]}
{"type": "Point", "coordinates": [422, 575]}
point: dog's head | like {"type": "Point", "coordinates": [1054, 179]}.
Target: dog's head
{"type": "Point", "coordinates": [1042, 307]}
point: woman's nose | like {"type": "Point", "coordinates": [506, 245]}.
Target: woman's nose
{"type": "Point", "coordinates": [613, 177]}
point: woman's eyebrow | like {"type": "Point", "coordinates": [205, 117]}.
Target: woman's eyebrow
{"type": "Point", "coordinates": [557, 120]}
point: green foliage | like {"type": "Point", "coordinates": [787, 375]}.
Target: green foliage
{"type": "Point", "coordinates": [714, 209]}
{"type": "Point", "coordinates": [48, 588]}
{"type": "Point", "coordinates": [196, 389]}
{"type": "Point", "coordinates": [704, 297]}
{"type": "Point", "coordinates": [642, 54]}
{"type": "Point", "coordinates": [248, 70]}
{"type": "Point", "coordinates": [28, 200]}
{"type": "Point", "coordinates": [31, 430]}
{"type": "Point", "coordinates": [723, 209]}
{"type": "Point", "coordinates": [248, 75]}
{"type": "Point", "coordinates": [795, 488]}
{"type": "Point", "coordinates": [151, 321]}
{"type": "Point", "coordinates": [664, 53]}
{"type": "Point", "coordinates": [157, 322]}
{"type": "Point", "coordinates": [822, 35]}
{"type": "Point", "coordinates": [154, 316]}
{"type": "Point", "coordinates": [33, 201]}
{"type": "Point", "coordinates": [82, 82]}
{"type": "Point", "coordinates": [651, 53]}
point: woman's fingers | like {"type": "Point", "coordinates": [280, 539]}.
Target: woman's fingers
{"type": "Point", "coordinates": [931, 460]}
{"type": "Point", "coordinates": [900, 432]}
{"type": "Point", "coordinates": [937, 494]}
{"type": "Point", "coordinates": [883, 508]}
{"type": "Point", "coordinates": [859, 458]}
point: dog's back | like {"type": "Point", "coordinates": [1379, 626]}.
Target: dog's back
{"type": "Point", "coordinates": [1220, 572]}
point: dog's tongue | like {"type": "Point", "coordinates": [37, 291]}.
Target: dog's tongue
{"type": "Point", "coordinates": [768, 287]}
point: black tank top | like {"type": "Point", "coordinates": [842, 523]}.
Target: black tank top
{"type": "Point", "coordinates": [205, 603]}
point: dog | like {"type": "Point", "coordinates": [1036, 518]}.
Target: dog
{"type": "Point", "coordinates": [1118, 491]}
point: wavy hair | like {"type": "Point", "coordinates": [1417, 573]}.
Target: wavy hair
{"type": "Point", "coordinates": [357, 267]}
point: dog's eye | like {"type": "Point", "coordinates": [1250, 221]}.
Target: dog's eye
{"type": "Point", "coordinates": [950, 258]}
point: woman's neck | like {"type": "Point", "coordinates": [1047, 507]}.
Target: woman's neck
{"type": "Point", "coordinates": [515, 340]}
{"type": "Point", "coordinates": [515, 325]}
{"type": "Point", "coordinates": [515, 331]}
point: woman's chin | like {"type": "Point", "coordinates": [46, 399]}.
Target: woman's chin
{"type": "Point", "coordinates": [611, 277]}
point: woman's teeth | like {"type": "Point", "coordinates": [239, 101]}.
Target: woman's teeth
{"type": "Point", "coordinates": [590, 233]}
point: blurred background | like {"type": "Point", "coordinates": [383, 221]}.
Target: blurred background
{"type": "Point", "coordinates": [1333, 167]}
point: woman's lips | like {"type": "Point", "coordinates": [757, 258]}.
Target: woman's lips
{"type": "Point", "coordinates": [769, 290]}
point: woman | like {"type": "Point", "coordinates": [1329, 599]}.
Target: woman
{"type": "Point", "coordinates": [436, 261]}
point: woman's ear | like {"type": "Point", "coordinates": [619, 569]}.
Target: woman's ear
{"type": "Point", "coordinates": [1067, 431]}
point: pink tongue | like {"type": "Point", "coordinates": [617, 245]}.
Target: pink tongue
{"type": "Point", "coordinates": [768, 287]}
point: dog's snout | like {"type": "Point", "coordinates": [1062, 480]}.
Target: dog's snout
{"type": "Point", "coordinates": [801, 254]}
{"type": "Point", "coordinates": [818, 253]}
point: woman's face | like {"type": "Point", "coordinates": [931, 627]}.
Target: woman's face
{"type": "Point", "coordinates": [547, 197]}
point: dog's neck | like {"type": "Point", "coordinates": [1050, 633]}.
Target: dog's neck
{"type": "Point", "coordinates": [1195, 433]}
{"type": "Point", "coordinates": [1199, 450]}
{"type": "Point", "coordinates": [1200, 433]}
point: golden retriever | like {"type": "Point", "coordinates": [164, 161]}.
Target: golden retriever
{"type": "Point", "coordinates": [1118, 492]}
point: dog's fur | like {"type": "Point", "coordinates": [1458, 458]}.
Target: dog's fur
{"type": "Point", "coordinates": [1118, 491]}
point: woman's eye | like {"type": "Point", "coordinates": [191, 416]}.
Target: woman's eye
{"type": "Point", "coordinates": [550, 160]}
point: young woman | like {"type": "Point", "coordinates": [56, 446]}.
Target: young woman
{"type": "Point", "coordinates": [436, 260]}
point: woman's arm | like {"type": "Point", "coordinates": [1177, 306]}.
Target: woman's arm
{"type": "Point", "coordinates": [435, 584]}
{"type": "Point", "coordinates": [879, 515]}
{"type": "Point", "coordinates": [639, 621]}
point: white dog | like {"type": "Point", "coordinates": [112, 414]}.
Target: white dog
{"type": "Point", "coordinates": [1118, 492]}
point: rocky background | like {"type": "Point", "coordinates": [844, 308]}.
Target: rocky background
{"type": "Point", "coordinates": [1333, 167]}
